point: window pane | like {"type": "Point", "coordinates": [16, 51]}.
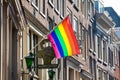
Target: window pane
{"type": "Point", "coordinates": [104, 51]}
{"type": "Point", "coordinates": [99, 74]}
{"type": "Point", "coordinates": [76, 3]}
{"type": "Point", "coordinates": [35, 2]}
{"type": "Point", "coordinates": [57, 4]}
{"type": "Point", "coordinates": [69, 12]}
{"type": "Point", "coordinates": [51, 1]}
{"type": "Point", "coordinates": [42, 6]}
{"type": "Point", "coordinates": [105, 76]}
{"type": "Point", "coordinates": [62, 7]}
{"type": "Point", "coordinates": [50, 21]}
{"type": "Point", "coordinates": [99, 47]}
{"type": "Point", "coordinates": [75, 24]}
{"type": "Point", "coordinates": [110, 57]}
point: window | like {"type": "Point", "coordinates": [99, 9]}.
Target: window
{"type": "Point", "coordinates": [80, 36]}
{"type": "Point", "coordinates": [88, 6]}
{"type": "Point", "coordinates": [83, 7]}
{"type": "Point", "coordinates": [62, 8]}
{"type": "Point", "coordinates": [35, 3]}
{"type": "Point", "coordinates": [69, 12]}
{"type": "Point", "coordinates": [101, 7]}
{"type": "Point", "coordinates": [51, 2]}
{"type": "Point", "coordinates": [90, 63]}
{"type": "Point", "coordinates": [77, 75]}
{"type": "Point", "coordinates": [57, 6]}
{"type": "Point", "coordinates": [105, 76]}
{"type": "Point", "coordinates": [111, 77]}
{"type": "Point", "coordinates": [33, 40]}
{"type": "Point", "coordinates": [104, 51]}
{"type": "Point", "coordinates": [76, 3]}
{"type": "Point", "coordinates": [110, 53]}
{"type": "Point", "coordinates": [71, 76]}
{"type": "Point", "coordinates": [119, 57]}
{"type": "Point", "coordinates": [91, 39]}
{"type": "Point", "coordinates": [84, 43]}
{"type": "Point", "coordinates": [75, 24]}
{"type": "Point", "coordinates": [99, 74]}
{"type": "Point", "coordinates": [94, 69]}
{"type": "Point", "coordinates": [71, 1]}
{"type": "Point", "coordinates": [99, 48]}
{"type": "Point", "coordinates": [83, 33]}
{"type": "Point", "coordinates": [50, 22]}
{"type": "Point", "coordinates": [42, 7]}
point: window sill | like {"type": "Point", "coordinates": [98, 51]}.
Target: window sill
{"type": "Point", "coordinates": [35, 6]}
{"type": "Point", "coordinates": [91, 50]}
{"type": "Point", "coordinates": [71, 1]}
{"type": "Point", "coordinates": [57, 11]}
{"type": "Point", "coordinates": [28, 0]}
{"type": "Point", "coordinates": [61, 17]}
{"type": "Point", "coordinates": [99, 60]}
{"type": "Point", "coordinates": [42, 14]}
{"type": "Point", "coordinates": [51, 4]}
{"type": "Point", "coordinates": [105, 63]}
{"type": "Point", "coordinates": [94, 53]}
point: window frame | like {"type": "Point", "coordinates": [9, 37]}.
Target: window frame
{"type": "Point", "coordinates": [35, 5]}
{"type": "Point", "coordinates": [69, 13]}
{"type": "Point", "coordinates": [75, 24]}
{"type": "Point", "coordinates": [57, 6]}
{"type": "Point", "coordinates": [76, 4]}
{"type": "Point", "coordinates": [99, 74]}
{"type": "Point", "coordinates": [62, 9]}
{"type": "Point", "coordinates": [99, 48]}
{"type": "Point", "coordinates": [51, 3]}
{"type": "Point", "coordinates": [104, 47]}
{"type": "Point", "coordinates": [105, 73]}
{"type": "Point", "coordinates": [42, 8]}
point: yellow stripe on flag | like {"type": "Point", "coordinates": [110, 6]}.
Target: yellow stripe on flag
{"type": "Point", "coordinates": [65, 38]}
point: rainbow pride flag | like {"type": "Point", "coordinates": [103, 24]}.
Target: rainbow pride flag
{"type": "Point", "coordinates": [63, 40]}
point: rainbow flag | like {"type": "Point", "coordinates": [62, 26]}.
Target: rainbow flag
{"type": "Point", "coordinates": [63, 40]}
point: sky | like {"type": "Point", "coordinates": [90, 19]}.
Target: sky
{"type": "Point", "coordinates": [113, 3]}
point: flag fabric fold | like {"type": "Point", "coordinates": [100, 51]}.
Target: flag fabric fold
{"type": "Point", "coordinates": [63, 40]}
